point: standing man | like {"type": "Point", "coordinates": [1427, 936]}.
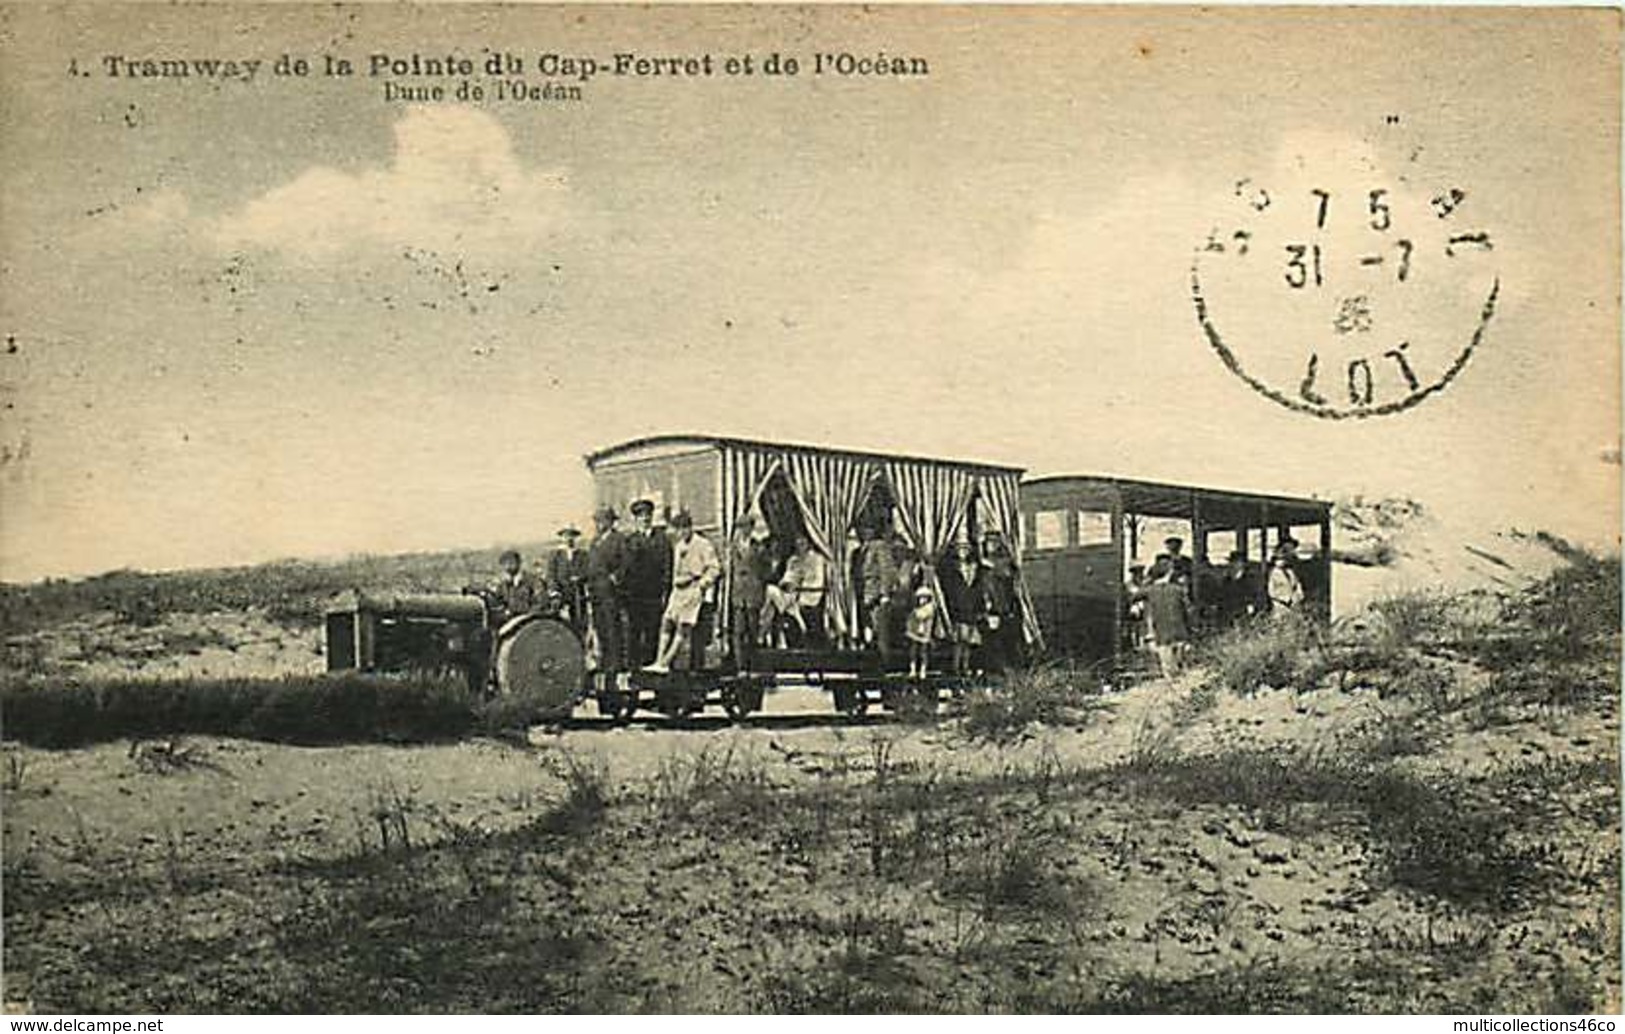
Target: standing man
{"type": "Point", "coordinates": [877, 580]}
{"type": "Point", "coordinates": [648, 578]}
{"type": "Point", "coordinates": [1167, 613]}
{"type": "Point", "coordinates": [605, 581]}
{"type": "Point", "coordinates": [750, 568]}
{"type": "Point", "coordinates": [1238, 592]}
{"type": "Point", "coordinates": [1174, 554]}
{"type": "Point", "coordinates": [694, 570]}
{"type": "Point", "coordinates": [567, 579]}
{"type": "Point", "coordinates": [1285, 588]}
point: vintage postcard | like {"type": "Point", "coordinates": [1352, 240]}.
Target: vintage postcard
{"type": "Point", "coordinates": [809, 509]}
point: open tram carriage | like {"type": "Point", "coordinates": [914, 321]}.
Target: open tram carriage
{"type": "Point", "coordinates": [836, 503]}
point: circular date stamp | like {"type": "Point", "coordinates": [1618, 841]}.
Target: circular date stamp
{"type": "Point", "coordinates": [1350, 301]}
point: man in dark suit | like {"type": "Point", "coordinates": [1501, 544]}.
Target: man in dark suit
{"type": "Point", "coordinates": [567, 580]}
{"type": "Point", "coordinates": [648, 580]}
{"type": "Point", "coordinates": [605, 581]}
{"type": "Point", "coordinates": [514, 593]}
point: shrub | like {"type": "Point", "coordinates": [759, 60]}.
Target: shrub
{"type": "Point", "coordinates": [1276, 652]}
{"type": "Point", "coordinates": [1018, 700]}
{"type": "Point", "coordinates": [1410, 619]}
{"type": "Point", "coordinates": [293, 709]}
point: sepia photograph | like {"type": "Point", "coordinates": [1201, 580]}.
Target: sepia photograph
{"type": "Point", "coordinates": [834, 510]}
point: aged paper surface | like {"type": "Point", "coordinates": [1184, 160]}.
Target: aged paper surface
{"type": "Point", "coordinates": [306, 282]}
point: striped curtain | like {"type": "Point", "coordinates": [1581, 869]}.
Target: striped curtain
{"type": "Point", "coordinates": [932, 505]}
{"type": "Point", "coordinates": [830, 490]}
{"type": "Point", "coordinates": [998, 507]}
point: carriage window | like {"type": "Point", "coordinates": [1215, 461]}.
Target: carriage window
{"type": "Point", "coordinates": [1094, 528]}
{"type": "Point", "coordinates": [1049, 529]}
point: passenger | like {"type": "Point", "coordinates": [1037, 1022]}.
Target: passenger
{"type": "Point", "coordinates": [806, 579]}
{"type": "Point", "coordinates": [1134, 605]}
{"type": "Point", "coordinates": [1238, 590]}
{"type": "Point", "coordinates": [1003, 639]}
{"type": "Point", "coordinates": [515, 592]}
{"type": "Point", "coordinates": [750, 569]}
{"type": "Point", "coordinates": [1284, 587]}
{"type": "Point", "coordinates": [878, 562]}
{"type": "Point", "coordinates": [567, 580]}
{"type": "Point", "coordinates": [964, 592]}
{"type": "Point", "coordinates": [922, 622]}
{"type": "Point", "coordinates": [605, 582]}
{"type": "Point", "coordinates": [694, 570]}
{"type": "Point", "coordinates": [648, 579]}
{"type": "Point", "coordinates": [1174, 554]}
{"type": "Point", "coordinates": [1167, 609]}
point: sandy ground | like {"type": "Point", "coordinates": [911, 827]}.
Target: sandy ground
{"type": "Point", "coordinates": [764, 883]}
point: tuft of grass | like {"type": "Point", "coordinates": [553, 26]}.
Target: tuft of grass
{"type": "Point", "coordinates": [587, 793]}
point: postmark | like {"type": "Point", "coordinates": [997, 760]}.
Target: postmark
{"type": "Point", "coordinates": [1344, 294]}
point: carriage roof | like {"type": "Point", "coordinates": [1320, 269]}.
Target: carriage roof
{"type": "Point", "coordinates": [656, 446]}
{"type": "Point", "coordinates": [1217, 507]}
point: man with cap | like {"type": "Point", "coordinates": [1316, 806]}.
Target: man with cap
{"type": "Point", "coordinates": [605, 581]}
{"type": "Point", "coordinates": [515, 592]}
{"type": "Point", "coordinates": [1175, 558]}
{"type": "Point", "coordinates": [648, 579]}
{"type": "Point", "coordinates": [567, 579]}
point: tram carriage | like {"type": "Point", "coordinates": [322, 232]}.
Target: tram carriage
{"type": "Point", "coordinates": [825, 495]}
{"type": "Point", "coordinates": [1084, 534]}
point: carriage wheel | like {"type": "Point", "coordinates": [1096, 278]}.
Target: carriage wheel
{"type": "Point", "coordinates": [851, 701]}
{"type": "Point", "coordinates": [741, 700]}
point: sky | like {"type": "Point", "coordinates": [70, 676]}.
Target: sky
{"type": "Point", "coordinates": [285, 316]}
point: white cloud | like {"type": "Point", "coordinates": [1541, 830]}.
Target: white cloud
{"type": "Point", "coordinates": [453, 184]}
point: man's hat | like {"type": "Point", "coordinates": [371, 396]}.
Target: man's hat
{"type": "Point", "coordinates": [642, 508]}
{"type": "Point", "coordinates": [923, 593]}
{"type": "Point", "coordinates": [569, 531]}
{"type": "Point", "coordinates": [507, 555]}
{"type": "Point", "coordinates": [682, 520]}
{"type": "Point", "coordinates": [606, 514]}
{"type": "Point", "coordinates": [1173, 540]}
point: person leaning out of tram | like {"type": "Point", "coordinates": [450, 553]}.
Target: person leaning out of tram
{"type": "Point", "coordinates": [694, 571]}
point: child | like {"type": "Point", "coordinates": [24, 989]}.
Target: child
{"type": "Point", "coordinates": [921, 620]}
